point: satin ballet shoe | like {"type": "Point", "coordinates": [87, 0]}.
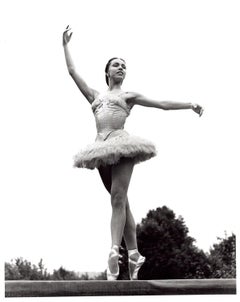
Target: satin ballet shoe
{"type": "Point", "coordinates": [113, 258]}
{"type": "Point", "coordinates": [134, 266]}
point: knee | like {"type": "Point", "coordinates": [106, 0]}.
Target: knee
{"type": "Point", "coordinates": [119, 199]}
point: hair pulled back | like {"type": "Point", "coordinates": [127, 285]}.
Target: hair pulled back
{"type": "Point", "coordinates": [107, 67]}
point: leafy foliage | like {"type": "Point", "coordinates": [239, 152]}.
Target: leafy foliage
{"type": "Point", "coordinates": [223, 258]}
{"type": "Point", "coordinates": [23, 270]}
{"type": "Point", "coordinates": [63, 274]}
{"type": "Point", "coordinates": [170, 254]}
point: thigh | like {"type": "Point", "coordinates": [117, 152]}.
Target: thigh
{"type": "Point", "coordinates": [121, 175]}
{"type": "Point", "coordinates": [106, 176]}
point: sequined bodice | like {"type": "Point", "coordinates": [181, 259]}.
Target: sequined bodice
{"type": "Point", "coordinates": [110, 111]}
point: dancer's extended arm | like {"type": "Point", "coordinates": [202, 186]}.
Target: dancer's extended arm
{"type": "Point", "coordinates": [138, 99]}
{"type": "Point", "coordinates": [89, 93]}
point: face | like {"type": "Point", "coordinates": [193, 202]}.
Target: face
{"type": "Point", "coordinates": [117, 70]}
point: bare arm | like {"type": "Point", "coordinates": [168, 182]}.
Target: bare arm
{"type": "Point", "coordinates": [138, 99]}
{"type": "Point", "coordinates": [89, 93]}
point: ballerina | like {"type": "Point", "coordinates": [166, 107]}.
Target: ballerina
{"type": "Point", "coordinates": [115, 152]}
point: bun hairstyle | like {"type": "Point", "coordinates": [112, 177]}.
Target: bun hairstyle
{"type": "Point", "coordinates": [107, 67]}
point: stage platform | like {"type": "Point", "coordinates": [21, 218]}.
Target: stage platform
{"type": "Point", "coordinates": [120, 288]}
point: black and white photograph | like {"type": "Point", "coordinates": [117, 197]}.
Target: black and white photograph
{"type": "Point", "coordinates": [120, 149]}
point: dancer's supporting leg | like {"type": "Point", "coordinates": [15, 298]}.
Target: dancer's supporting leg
{"type": "Point", "coordinates": [121, 175]}
{"type": "Point", "coordinates": [129, 232]}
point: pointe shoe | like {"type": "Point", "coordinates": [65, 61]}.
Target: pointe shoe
{"type": "Point", "coordinates": [134, 266]}
{"type": "Point", "coordinates": [113, 257]}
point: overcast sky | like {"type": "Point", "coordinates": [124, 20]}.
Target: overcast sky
{"type": "Point", "coordinates": [175, 50]}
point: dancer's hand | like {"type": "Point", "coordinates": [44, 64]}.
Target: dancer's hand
{"type": "Point", "coordinates": [67, 35]}
{"type": "Point", "coordinates": [198, 109]}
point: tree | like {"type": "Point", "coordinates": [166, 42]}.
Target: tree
{"type": "Point", "coordinates": [223, 258]}
{"type": "Point", "coordinates": [63, 274]}
{"type": "Point", "coordinates": [25, 270]}
{"type": "Point", "coordinates": [101, 276]}
{"type": "Point", "coordinates": [11, 272]}
{"type": "Point", "coordinates": [170, 253]}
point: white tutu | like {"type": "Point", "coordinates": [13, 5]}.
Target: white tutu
{"type": "Point", "coordinates": [109, 150]}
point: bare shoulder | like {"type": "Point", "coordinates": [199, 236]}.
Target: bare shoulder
{"type": "Point", "coordinates": [131, 97]}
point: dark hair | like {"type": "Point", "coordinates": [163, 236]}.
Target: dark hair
{"type": "Point", "coordinates": [107, 67]}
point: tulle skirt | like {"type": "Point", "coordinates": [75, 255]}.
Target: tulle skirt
{"type": "Point", "coordinates": [109, 150]}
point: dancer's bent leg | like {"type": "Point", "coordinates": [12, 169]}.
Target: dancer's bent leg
{"type": "Point", "coordinates": [135, 259]}
{"type": "Point", "coordinates": [106, 176]}
{"type": "Point", "coordinates": [129, 233]}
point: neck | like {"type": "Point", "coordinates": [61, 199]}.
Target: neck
{"type": "Point", "coordinates": [114, 86]}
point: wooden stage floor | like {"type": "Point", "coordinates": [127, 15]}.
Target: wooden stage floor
{"type": "Point", "coordinates": [120, 288]}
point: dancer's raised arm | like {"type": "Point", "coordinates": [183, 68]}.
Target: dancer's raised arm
{"type": "Point", "coordinates": [138, 99]}
{"type": "Point", "coordinates": [89, 93]}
